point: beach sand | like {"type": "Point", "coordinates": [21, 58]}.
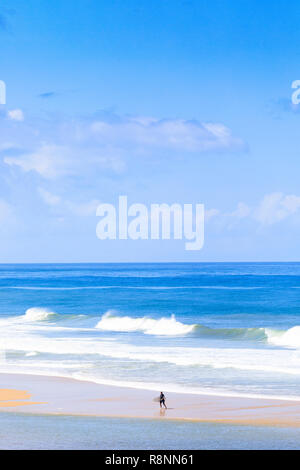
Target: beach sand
{"type": "Point", "coordinates": [55, 395]}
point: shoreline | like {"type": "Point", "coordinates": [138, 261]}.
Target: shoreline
{"type": "Point", "coordinates": [48, 395]}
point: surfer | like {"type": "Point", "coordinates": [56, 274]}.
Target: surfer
{"type": "Point", "coordinates": [162, 399]}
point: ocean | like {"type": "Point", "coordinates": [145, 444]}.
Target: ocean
{"type": "Point", "coordinates": [229, 329]}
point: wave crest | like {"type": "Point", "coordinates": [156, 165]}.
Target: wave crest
{"type": "Point", "coordinates": [169, 326]}
{"type": "Point", "coordinates": [163, 326]}
{"type": "Point", "coordinates": [289, 338]}
{"type": "Point", "coordinates": [38, 314]}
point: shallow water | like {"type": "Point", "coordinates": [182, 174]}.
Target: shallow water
{"type": "Point", "coordinates": [67, 432]}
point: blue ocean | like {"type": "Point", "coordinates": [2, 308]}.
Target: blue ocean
{"type": "Point", "coordinates": [229, 329]}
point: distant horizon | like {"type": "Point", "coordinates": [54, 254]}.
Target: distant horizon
{"type": "Point", "coordinates": [151, 262]}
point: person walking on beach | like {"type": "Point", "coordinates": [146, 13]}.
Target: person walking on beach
{"type": "Point", "coordinates": [162, 399]}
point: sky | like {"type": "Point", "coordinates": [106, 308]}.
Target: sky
{"type": "Point", "coordinates": [165, 101]}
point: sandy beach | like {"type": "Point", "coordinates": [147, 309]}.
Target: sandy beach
{"type": "Point", "coordinates": [59, 396]}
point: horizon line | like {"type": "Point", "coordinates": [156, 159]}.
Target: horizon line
{"type": "Point", "coordinates": [148, 262]}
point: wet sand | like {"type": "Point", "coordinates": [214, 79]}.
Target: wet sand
{"type": "Point", "coordinates": [55, 395]}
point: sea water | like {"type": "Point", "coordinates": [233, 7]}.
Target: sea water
{"type": "Point", "coordinates": [207, 328]}
{"type": "Point", "coordinates": [19, 431]}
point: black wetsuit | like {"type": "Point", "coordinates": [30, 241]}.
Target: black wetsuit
{"type": "Point", "coordinates": [162, 400]}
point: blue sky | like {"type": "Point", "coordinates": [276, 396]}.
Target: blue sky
{"type": "Point", "coordinates": [181, 101]}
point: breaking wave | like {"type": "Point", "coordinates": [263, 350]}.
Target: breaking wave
{"type": "Point", "coordinates": [169, 326]}
{"type": "Point", "coordinates": [38, 314]}
{"type": "Point", "coordinates": [289, 338]}
{"type": "Point", "coordinates": [163, 326]}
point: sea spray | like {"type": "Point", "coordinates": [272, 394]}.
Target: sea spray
{"type": "Point", "coordinates": [38, 314]}
{"type": "Point", "coordinates": [162, 326]}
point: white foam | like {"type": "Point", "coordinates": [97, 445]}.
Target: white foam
{"type": "Point", "coordinates": [163, 326]}
{"type": "Point", "coordinates": [31, 354]}
{"type": "Point", "coordinates": [141, 385]}
{"type": "Point", "coordinates": [175, 388]}
{"type": "Point", "coordinates": [73, 353]}
{"type": "Point", "coordinates": [289, 338]}
{"type": "Point", "coordinates": [38, 314]}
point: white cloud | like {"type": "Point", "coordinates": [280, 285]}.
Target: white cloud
{"type": "Point", "coordinates": [210, 213]}
{"type": "Point", "coordinates": [241, 212]}
{"type": "Point", "coordinates": [49, 161]}
{"type": "Point", "coordinates": [53, 161]}
{"type": "Point", "coordinates": [49, 198]}
{"type": "Point", "coordinates": [272, 209]}
{"type": "Point", "coordinates": [172, 134]}
{"type": "Point", "coordinates": [276, 207]}
{"type": "Point", "coordinates": [81, 147]}
{"type": "Point", "coordinates": [16, 115]}
{"type": "Point", "coordinates": [83, 209]}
